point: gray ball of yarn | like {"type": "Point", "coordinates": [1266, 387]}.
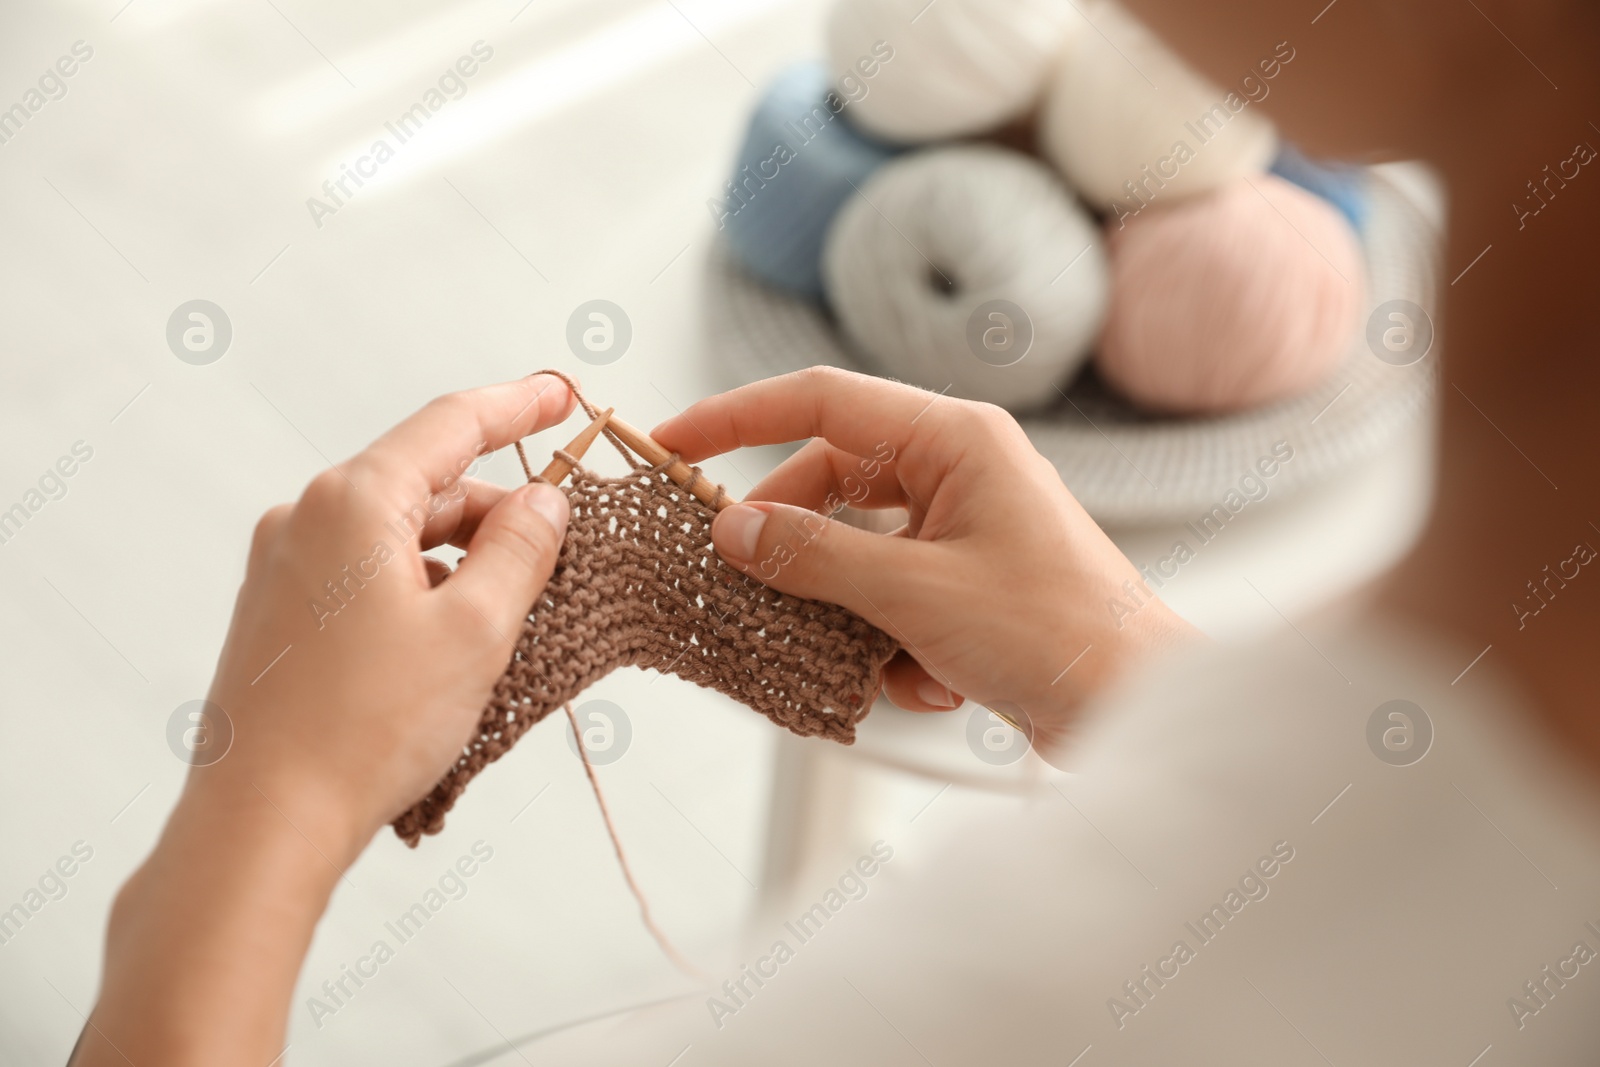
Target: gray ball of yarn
{"type": "Point", "coordinates": [969, 269]}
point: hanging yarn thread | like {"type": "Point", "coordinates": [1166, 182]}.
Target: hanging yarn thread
{"type": "Point", "coordinates": [656, 932]}
{"type": "Point", "coordinates": [943, 240]}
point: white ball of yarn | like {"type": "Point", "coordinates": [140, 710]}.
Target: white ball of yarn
{"type": "Point", "coordinates": [972, 269]}
{"type": "Point", "coordinates": [955, 67]}
{"type": "Point", "coordinates": [1105, 125]}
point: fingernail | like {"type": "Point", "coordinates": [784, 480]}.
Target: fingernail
{"type": "Point", "coordinates": [546, 382]}
{"type": "Point", "coordinates": [737, 531]}
{"type": "Point", "coordinates": [931, 692]}
{"type": "Point", "coordinates": [550, 504]}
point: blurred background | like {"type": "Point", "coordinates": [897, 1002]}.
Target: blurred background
{"type": "Point", "coordinates": [574, 165]}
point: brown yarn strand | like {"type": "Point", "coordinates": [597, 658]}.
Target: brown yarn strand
{"type": "Point", "coordinates": [656, 932]}
{"type": "Point", "coordinates": [638, 583]}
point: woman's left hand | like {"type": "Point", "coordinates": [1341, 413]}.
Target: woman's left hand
{"type": "Point", "coordinates": [354, 671]}
{"type": "Point", "coordinates": [355, 668]}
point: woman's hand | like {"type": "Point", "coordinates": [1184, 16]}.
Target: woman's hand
{"type": "Point", "coordinates": [387, 659]}
{"type": "Point", "coordinates": [353, 673]}
{"type": "Point", "coordinates": [998, 588]}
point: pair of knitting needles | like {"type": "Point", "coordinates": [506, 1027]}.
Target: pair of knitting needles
{"type": "Point", "coordinates": [646, 448]}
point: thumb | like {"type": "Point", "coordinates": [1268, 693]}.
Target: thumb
{"type": "Point", "coordinates": [797, 551]}
{"type": "Point", "coordinates": [512, 555]}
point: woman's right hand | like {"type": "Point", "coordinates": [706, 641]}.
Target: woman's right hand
{"type": "Point", "coordinates": [999, 588]}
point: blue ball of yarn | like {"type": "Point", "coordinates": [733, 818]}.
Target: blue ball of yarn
{"type": "Point", "coordinates": [799, 162]}
{"type": "Point", "coordinates": [1342, 185]}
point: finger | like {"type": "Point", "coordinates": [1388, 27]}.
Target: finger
{"type": "Point", "coordinates": [824, 478]}
{"type": "Point", "coordinates": [800, 552]}
{"type": "Point", "coordinates": [856, 412]}
{"type": "Point", "coordinates": [460, 509]}
{"type": "Point", "coordinates": [911, 687]}
{"type": "Point", "coordinates": [429, 451]}
{"type": "Point", "coordinates": [512, 555]}
{"type": "Point", "coordinates": [267, 530]}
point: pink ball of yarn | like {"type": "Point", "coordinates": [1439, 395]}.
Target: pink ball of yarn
{"type": "Point", "coordinates": [1241, 297]}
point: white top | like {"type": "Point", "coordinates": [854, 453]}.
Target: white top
{"type": "Point", "coordinates": [1230, 875]}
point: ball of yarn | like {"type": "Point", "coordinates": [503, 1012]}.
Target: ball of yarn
{"type": "Point", "coordinates": [799, 161]}
{"type": "Point", "coordinates": [944, 69]}
{"type": "Point", "coordinates": [1130, 124]}
{"type": "Point", "coordinates": [1247, 295]}
{"type": "Point", "coordinates": [1340, 184]}
{"type": "Point", "coordinates": [971, 269]}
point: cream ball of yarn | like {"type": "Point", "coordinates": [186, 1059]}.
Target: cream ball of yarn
{"type": "Point", "coordinates": [968, 268]}
{"type": "Point", "coordinates": [1129, 123]}
{"type": "Point", "coordinates": [1241, 297]}
{"type": "Point", "coordinates": [915, 71]}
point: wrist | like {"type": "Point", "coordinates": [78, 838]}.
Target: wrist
{"type": "Point", "coordinates": [274, 804]}
{"type": "Point", "coordinates": [1110, 645]}
{"type": "Point", "coordinates": [206, 939]}
{"type": "Point", "coordinates": [223, 856]}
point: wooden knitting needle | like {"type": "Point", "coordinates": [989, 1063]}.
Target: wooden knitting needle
{"type": "Point", "coordinates": [1009, 721]}
{"type": "Point", "coordinates": [559, 468]}
{"type": "Point", "coordinates": [652, 453]}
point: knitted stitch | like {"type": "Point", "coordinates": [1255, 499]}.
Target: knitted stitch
{"type": "Point", "coordinates": [637, 583]}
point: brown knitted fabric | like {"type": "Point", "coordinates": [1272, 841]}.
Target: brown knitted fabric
{"type": "Point", "coordinates": [638, 584]}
